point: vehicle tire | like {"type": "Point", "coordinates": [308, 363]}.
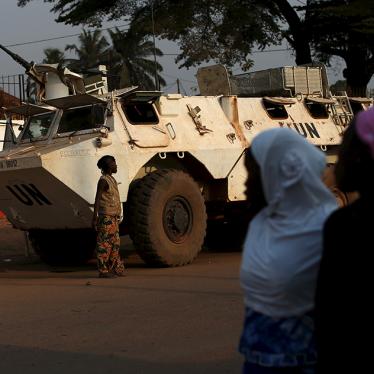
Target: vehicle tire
{"type": "Point", "coordinates": [167, 218]}
{"type": "Point", "coordinates": [63, 247]}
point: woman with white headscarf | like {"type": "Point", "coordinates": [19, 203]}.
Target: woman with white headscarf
{"type": "Point", "coordinates": [282, 252]}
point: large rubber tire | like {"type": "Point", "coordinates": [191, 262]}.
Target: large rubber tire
{"type": "Point", "coordinates": [63, 247]}
{"type": "Point", "coordinates": [167, 218]}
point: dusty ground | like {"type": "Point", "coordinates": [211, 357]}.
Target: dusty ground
{"type": "Point", "coordinates": [178, 320]}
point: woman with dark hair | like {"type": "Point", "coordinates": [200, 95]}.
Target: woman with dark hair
{"type": "Point", "coordinates": [343, 312]}
{"type": "Point", "coordinates": [282, 252]}
{"type": "Point", "coordinates": [106, 218]}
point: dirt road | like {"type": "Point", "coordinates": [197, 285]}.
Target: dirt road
{"type": "Point", "coordinates": [178, 320]}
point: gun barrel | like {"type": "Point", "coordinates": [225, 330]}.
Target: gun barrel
{"type": "Point", "coordinates": [17, 58]}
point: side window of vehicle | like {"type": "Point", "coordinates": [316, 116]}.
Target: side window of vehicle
{"type": "Point", "coordinates": [275, 111]}
{"type": "Point", "coordinates": [317, 110]}
{"type": "Point", "coordinates": [76, 119]}
{"type": "Point", "coordinates": [140, 113]}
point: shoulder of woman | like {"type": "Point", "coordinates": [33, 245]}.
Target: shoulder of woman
{"type": "Point", "coordinates": [102, 183]}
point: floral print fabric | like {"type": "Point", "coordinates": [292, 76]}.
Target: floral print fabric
{"type": "Point", "coordinates": [107, 247]}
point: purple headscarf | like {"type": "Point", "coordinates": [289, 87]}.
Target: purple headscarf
{"type": "Point", "coordinates": [365, 128]}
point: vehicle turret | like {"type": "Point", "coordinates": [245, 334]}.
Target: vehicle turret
{"type": "Point", "coordinates": [52, 80]}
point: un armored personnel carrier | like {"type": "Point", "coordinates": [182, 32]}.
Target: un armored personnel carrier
{"type": "Point", "coordinates": [180, 158]}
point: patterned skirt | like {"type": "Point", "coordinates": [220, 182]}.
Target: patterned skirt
{"type": "Point", "coordinates": [107, 247]}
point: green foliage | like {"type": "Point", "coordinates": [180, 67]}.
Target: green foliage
{"type": "Point", "coordinates": [341, 24]}
{"type": "Point", "coordinates": [226, 31]}
{"type": "Point", "coordinates": [88, 12]}
{"type": "Point", "coordinates": [91, 51]}
{"type": "Point", "coordinates": [53, 56]}
{"type": "Point", "coordinates": [345, 29]}
{"type": "Point", "coordinates": [129, 60]}
{"type": "Point", "coordinates": [222, 30]}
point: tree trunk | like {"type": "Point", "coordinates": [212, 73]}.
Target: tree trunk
{"type": "Point", "coordinates": [302, 51]}
{"type": "Point", "coordinates": [298, 32]}
{"type": "Point", "coordinates": [358, 72]}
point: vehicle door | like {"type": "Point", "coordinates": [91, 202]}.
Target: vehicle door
{"type": "Point", "coordinates": [143, 124]}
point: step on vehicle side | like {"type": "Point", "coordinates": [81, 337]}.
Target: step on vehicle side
{"type": "Point", "coordinates": [180, 161]}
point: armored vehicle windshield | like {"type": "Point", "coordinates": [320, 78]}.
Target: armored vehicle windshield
{"type": "Point", "coordinates": [76, 119]}
{"type": "Point", "coordinates": [37, 126]}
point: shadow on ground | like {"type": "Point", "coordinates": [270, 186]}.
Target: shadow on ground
{"type": "Point", "coordinates": [16, 256]}
{"type": "Point", "coordinates": [20, 360]}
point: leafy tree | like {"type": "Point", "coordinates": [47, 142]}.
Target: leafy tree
{"type": "Point", "coordinates": [222, 30]}
{"type": "Point", "coordinates": [128, 59]}
{"type": "Point", "coordinates": [227, 30]}
{"type": "Point", "coordinates": [346, 29]}
{"type": "Point", "coordinates": [53, 56]}
{"type": "Point", "coordinates": [88, 12]}
{"type": "Point", "coordinates": [91, 51]}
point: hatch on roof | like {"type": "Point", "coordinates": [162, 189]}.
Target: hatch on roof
{"type": "Point", "coordinates": [279, 100]}
{"type": "Point", "coordinates": [74, 101]}
{"type": "Point", "coordinates": [28, 109]}
{"type": "Point", "coordinates": [320, 100]}
{"type": "Point", "coordinates": [123, 92]}
{"type": "Point", "coordinates": [144, 96]}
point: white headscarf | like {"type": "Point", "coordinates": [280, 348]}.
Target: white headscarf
{"type": "Point", "coordinates": [283, 246]}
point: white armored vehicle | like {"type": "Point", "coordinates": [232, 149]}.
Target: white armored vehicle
{"type": "Point", "coordinates": [180, 158]}
{"type": "Point", "coordinates": [16, 125]}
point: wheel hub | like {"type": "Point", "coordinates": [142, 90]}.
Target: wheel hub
{"type": "Point", "coordinates": [177, 219]}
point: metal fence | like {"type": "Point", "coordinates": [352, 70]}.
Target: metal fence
{"type": "Point", "coordinates": [14, 85]}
